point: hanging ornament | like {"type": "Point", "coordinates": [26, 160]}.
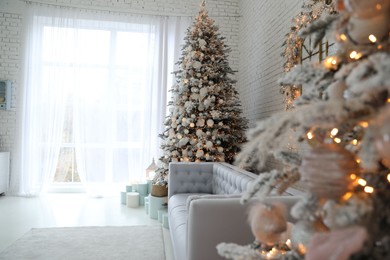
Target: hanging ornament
{"type": "Point", "coordinates": [303, 231]}
{"type": "Point", "coordinates": [326, 171]}
{"type": "Point", "coordinates": [366, 9]}
{"type": "Point", "coordinates": [382, 140]}
{"type": "Point", "coordinates": [268, 222]}
{"type": "Point", "coordinates": [338, 245]}
{"type": "Point", "coordinates": [369, 19]}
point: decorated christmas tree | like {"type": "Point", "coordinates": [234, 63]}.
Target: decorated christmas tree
{"type": "Point", "coordinates": [343, 117]}
{"type": "Point", "coordinates": [204, 121]}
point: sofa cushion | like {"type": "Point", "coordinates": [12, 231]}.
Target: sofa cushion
{"type": "Point", "coordinates": [177, 209]}
{"type": "Point", "coordinates": [229, 179]}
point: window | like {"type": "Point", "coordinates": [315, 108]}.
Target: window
{"type": "Point", "coordinates": [104, 73]}
{"type": "Point", "coordinates": [93, 97]}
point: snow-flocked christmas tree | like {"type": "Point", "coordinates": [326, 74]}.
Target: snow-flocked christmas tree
{"type": "Point", "coordinates": [344, 116]}
{"type": "Point", "coordinates": [204, 121]}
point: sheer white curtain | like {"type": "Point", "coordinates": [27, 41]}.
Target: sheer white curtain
{"type": "Point", "coordinates": [97, 82]}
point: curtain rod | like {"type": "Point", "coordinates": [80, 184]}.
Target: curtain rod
{"type": "Point", "coordinates": [90, 8]}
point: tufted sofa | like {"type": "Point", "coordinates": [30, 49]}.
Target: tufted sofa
{"type": "Point", "coordinates": [204, 208]}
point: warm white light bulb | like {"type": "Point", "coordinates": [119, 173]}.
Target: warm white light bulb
{"type": "Point", "coordinates": [310, 135]}
{"type": "Point", "coordinates": [362, 182]}
{"type": "Point", "coordinates": [363, 124]}
{"type": "Point", "coordinates": [372, 38]}
{"type": "Point", "coordinates": [334, 131]}
{"type": "Point", "coordinates": [337, 140]}
{"type": "Point", "coordinates": [368, 189]}
{"type": "Point", "coordinates": [353, 54]}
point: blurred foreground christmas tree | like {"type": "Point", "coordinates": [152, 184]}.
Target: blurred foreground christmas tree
{"type": "Point", "coordinates": [204, 121]}
{"type": "Point", "coordinates": [344, 115]}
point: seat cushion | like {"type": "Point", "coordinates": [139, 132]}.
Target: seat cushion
{"type": "Point", "coordinates": [177, 210]}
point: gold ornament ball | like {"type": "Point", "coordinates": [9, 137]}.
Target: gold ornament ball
{"type": "Point", "coordinates": [267, 222]}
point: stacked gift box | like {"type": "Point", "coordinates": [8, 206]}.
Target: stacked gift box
{"type": "Point", "coordinates": [143, 189]}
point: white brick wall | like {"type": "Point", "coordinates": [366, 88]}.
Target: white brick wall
{"type": "Point", "coordinates": [10, 33]}
{"type": "Point", "coordinates": [262, 29]}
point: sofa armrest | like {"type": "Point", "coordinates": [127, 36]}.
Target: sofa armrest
{"type": "Point", "coordinates": [213, 221]}
{"type": "Point", "coordinates": [190, 177]}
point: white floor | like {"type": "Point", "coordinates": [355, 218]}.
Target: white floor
{"type": "Point", "coordinates": [18, 215]}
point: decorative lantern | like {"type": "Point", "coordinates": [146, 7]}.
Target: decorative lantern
{"type": "Point", "coordinates": [150, 171]}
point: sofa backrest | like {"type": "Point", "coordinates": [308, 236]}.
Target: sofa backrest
{"type": "Point", "coordinates": [229, 179]}
{"type": "Point", "coordinates": [190, 177]}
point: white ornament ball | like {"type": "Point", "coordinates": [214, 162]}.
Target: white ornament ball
{"type": "Point", "coordinates": [210, 123]}
{"type": "Point", "coordinates": [220, 149]}
{"type": "Point", "coordinates": [199, 132]}
{"type": "Point", "coordinates": [183, 142]}
{"type": "Point", "coordinates": [209, 144]}
{"type": "Point", "coordinates": [196, 65]}
{"type": "Point", "coordinates": [199, 153]}
{"type": "Point", "coordinates": [186, 131]}
{"type": "Point", "coordinates": [202, 42]}
{"type": "Point", "coordinates": [366, 8]}
{"type": "Point", "coordinates": [200, 122]}
{"type": "Point", "coordinates": [203, 93]}
{"type": "Point", "coordinates": [360, 29]}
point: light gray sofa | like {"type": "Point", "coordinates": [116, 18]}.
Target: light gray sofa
{"type": "Point", "coordinates": [204, 208]}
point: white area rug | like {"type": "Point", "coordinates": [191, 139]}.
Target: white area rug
{"type": "Point", "coordinates": [84, 243]}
